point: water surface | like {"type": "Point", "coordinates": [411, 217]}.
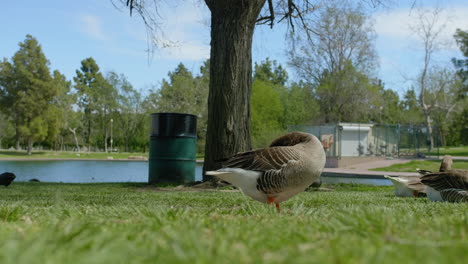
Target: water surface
{"type": "Point", "coordinates": [85, 171]}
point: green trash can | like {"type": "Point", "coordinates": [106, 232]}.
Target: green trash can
{"type": "Point", "coordinates": [173, 143]}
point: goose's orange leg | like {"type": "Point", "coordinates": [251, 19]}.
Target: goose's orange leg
{"type": "Point", "coordinates": [272, 200]}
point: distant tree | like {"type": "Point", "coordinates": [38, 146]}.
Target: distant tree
{"type": "Point", "coordinates": [184, 93]}
{"type": "Point", "coordinates": [427, 30]}
{"type": "Point", "coordinates": [61, 110]}
{"type": "Point", "coordinates": [443, 96]}
{"type": "Point", "coordinates": [458, 130]}
{"type": "Point", "coordinates": [130, 115]}
{"type": "Point", "coordinates": [301, 106]}
{"type": "Point", "coordinates": [267, 113]}
{"type": "Point", "coordinates": [461, 38]}
{"type": "Point", "coordinates": [270, 71]}
{"type": "Point", "coordinates": [345, 35]}
{"type": "Point", "coordinates": [412, 113]}
{"type": "Point", "coordinates": [339, 61]}
{"type": "Point", "coordinates": [27, 92]}
{"type": "Point", "coordinates": [6, 129]}
{"type": "Point", "coordinates": [97, 99]}
{"type": "Point", "coordinates": [272, 74]}
{"type": "Point", "coordinates": [345, 96]}
{"type": "Point", "coordinates": [390, 110]}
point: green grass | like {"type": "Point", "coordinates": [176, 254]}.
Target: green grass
{"type": "Point", "coordinates": [430, 165]}
{"type": "Point", "coordinates": [454, 151]}
{"type": "Point", "coordinates": [131, 223]}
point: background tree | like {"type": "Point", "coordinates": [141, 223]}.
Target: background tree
{"type": "Point", "coordinates": [428, 31]}
{"type": "Point", "coordinates": [96, 98]}
{"type": "Point", "coordinates": [412, 113]}
{"type": "Point", "coordinates": [338, 61]}
{"type": "Point", "coordinates": [301, 106]}
{"type": "Point", "coordinates": [27, 92]}
{"type": "Point", "coordinates": [6, 129]}
{"type": "Point", "coordinates": [461, 37]}
{"type": "Point", "coordinates": [458, 129]}
{"type": "Point", "coordinates": [130, 115]}
{"type": "Point", "coordinates": [184, 93]}
{"type": "Point", "coordinates": [267, 113]}
{"type": "Point", "coordinates": [345, 35]}
{"type": "Point", "coordinates": [60, 111]}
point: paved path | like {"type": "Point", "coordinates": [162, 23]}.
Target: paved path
{"type": "Point", "coordinates": [362, 169]}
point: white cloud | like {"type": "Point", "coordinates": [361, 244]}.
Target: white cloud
{"type": "Point", "coordinates": [396, 24]}
{"type": "Point", "coordinates": [91, 26]}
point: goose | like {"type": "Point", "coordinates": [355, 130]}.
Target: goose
{"type": "Point", "coordinates": [274, 174]}
{"type": "Point", "coordinates": [7, 178]}
{"type": "Point", "coordinates": [408, 186]}
{"type": "Point", "coordinates": [448, 184]}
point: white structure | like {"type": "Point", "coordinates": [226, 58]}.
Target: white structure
{"type": "Point", "coordinates": [354, 139]}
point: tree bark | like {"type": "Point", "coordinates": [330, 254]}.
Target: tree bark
{"type": "Point", "coordinates": [30, 145]}
{"type": "Point", "coordinates": [73, 130]}
{"type": "Point", "coordinates": [232, 28]}
{"type": "Point", "coordinates": [17, 138]}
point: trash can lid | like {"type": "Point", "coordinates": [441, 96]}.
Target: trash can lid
{"type": "Point", "coordinates": [173, 125]}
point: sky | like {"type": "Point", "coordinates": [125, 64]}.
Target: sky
{"type": "Point", "coordinates": [70, 31]}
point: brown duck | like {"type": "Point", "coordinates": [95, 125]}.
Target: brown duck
{"type": "Point", "coordinates": [274, 174]}
{"type": "Point", "coordinates": [448, 184]}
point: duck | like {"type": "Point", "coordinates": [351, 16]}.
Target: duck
{"type": "Point", "coordinates": [272, 175]}
{"type": "Point", "coordinates": [449, 185]}
{"type": "Point", "coordinates": [408, 186]}
{"type": "Point", "coordinates": [7, 178]}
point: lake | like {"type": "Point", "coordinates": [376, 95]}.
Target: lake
{"type": "Point", "coordinates": [86, 171]}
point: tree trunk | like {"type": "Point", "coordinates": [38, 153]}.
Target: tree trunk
{"type": "Point", "coordinates": [17, 139]}
{"type": "Point", "coordinates": [105, 140]}
{"type": "Point", "coordinates": [30, 145]}
{"type": "Point", "coordinates": [76, 139]}
{"type": "Point", "coordinates": [232, 27]}
{"type": "Point", "coordinates": [429, 129]}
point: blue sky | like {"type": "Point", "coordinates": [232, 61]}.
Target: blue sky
{"type": "Point", "coordinates": [70, 31]}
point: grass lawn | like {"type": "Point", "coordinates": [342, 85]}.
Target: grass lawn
{"type": "Point", "coordinates": [67, 155]}
{"type": "Point", "coordinates": [131, 223]}
{"type": "Point", "coordinates": [431, 165]}
{"type": "Point", "coordinates": [454, 151]}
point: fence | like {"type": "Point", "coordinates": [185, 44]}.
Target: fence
{"type": "Point", "coordinates": [355, 140]}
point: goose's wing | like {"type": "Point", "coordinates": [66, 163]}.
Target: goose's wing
{"type": "Point", "coordinates": [275, 163]}
{"type": "Point", "coordinates": [452, 179]}
{"type": "Point", "coordinates": [273, 158]}
{"type": "Point", "coordinates": [417, 185]}
{"type": "Point", "coordinates": [454, 195]}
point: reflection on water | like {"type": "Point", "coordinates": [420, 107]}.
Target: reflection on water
{"type": "Point", "coordinates": [84, 171]}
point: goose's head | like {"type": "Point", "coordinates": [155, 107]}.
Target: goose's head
{"type": "Point", "coordinates": [292, 139]}
{"type": "Point", "coordinates": [446, 163]}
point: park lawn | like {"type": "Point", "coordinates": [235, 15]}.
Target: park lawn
{"type": "Point", "coordinates": [454, 151]}
{"type": "Point", "coordinates": [67, 155]}
{"type": "Point", "coordinates": [430, 165]}
{"type": "Point", "coordinates": [132, 223]}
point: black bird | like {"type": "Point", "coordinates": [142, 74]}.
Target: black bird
{"type": "Point", "coordinates": [7, 178]}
